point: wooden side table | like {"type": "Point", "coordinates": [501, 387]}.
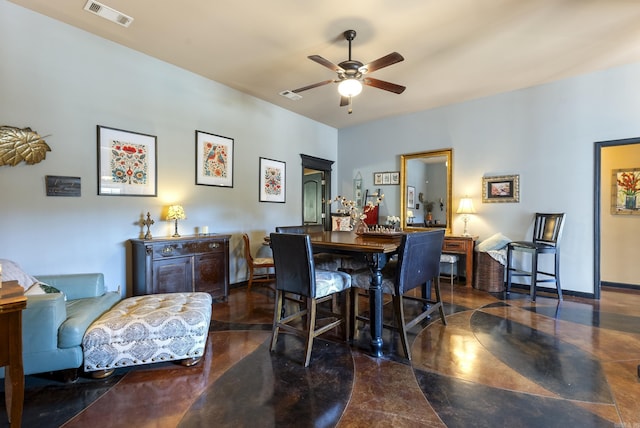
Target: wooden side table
{"type": "Point", "coordinates": [459, 244]}
{"type": "Point", "coordinates": [12, 302]}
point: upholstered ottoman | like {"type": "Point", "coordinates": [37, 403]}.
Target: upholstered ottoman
{"type": "Point", "coordinates": [148, 329]}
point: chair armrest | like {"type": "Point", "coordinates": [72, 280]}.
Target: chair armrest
{"type": "Point", "coordinates": [40, 322]}
{"type": "Point", "coordinates": [76, 286]}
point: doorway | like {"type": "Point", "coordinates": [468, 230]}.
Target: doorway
{"type": "Point", "coordinates": [316, 190]}
{"type": "Point", "coordinates": [615, 230]}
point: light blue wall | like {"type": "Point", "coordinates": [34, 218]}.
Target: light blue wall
{"type": "Point", "coordinates": [62, 82]}
{"type": "Point", "coordinates": [545, 134]}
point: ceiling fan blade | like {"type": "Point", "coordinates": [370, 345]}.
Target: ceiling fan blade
{"type": "Point", "coordinates": [315, 85]}
{"type": "Point", "coordinates": [326, 63]}
{"type": "Point", "coordinates": [344, 101]}
{"type": "Point", "coordinates": [381, 84]}
{"type": "Point", "coordinates": [385, 61]}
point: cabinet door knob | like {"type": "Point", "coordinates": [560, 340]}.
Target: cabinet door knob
{"type": "Point", "coordinates": [167, 250]}
{"type": "Point", "coordinates": [214, 245]}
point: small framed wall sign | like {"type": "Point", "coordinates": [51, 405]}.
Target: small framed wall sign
{"type": "Point", "coordinates": [503, 188]}
{"type": "Point", "coordinates": [127, 163]}
{"type": "Point", "coordinates": [272, 180]}
{"type": "Point", "coordinates": [62, 186]}
{"type": "Point", "coordinates": [214, 160]}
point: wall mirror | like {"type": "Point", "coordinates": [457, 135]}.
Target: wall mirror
{"type": "Point", "coordinates": [425, 189]}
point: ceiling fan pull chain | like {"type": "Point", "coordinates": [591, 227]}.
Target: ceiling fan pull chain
{"type": "Point", "coordinates": [350, 106]}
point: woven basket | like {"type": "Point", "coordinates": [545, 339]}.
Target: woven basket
{"type": "Point", "coordinates": [488, 273]}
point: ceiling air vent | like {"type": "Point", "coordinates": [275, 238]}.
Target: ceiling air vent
{"type": "Point", "coordinates": [108, 13]}
{"type": "Point", "coordinates": [291, 95]}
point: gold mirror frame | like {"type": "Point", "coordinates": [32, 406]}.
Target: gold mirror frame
{"type": "Point", "coordinates": [447, 154]}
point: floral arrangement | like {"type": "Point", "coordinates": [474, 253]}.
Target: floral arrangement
{"type": "Point", "coordinates": [351, 209]}
{"type": "Point", "coordinates": [629, 183]}
{"type": "Point", "coordinates": [392, 219]}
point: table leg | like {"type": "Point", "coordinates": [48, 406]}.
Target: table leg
{"type": "Point", "coordinates": [376, 263]}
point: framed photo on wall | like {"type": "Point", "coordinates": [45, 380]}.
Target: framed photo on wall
{"type": "Point", "coordinates": [503, 188]}
{"type": "Point", "coordinates": [127, 163]}
{"type": "Point", "coordinates": [272, 180]}
{"type": "Point", "coordinates": [411, 197]}
{"type": "Point", "coordinates": [214, 160]}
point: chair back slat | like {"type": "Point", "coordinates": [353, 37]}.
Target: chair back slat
{"type": "Point", "coordinates": [418, 259]}
{"type": "Point", "coordinates": [548, 228]}
{"type": "Point", "coordinates": [294, 267]}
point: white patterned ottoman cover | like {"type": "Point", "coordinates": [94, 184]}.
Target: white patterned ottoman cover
{"type": "Point", "coordinates": [148, 329]}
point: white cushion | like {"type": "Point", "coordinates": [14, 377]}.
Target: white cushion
{"type": "Point", "coordinates": [12, 272]}
{"type": "Point", "coordinates": [329, 282]}
{"type": "Point", "coordinates": [495, 242]}
{"type": "Point", "coordinates": [448, 258]}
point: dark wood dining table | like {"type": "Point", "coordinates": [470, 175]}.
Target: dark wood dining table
{"type": "Point", "coordinates": [375, 249]}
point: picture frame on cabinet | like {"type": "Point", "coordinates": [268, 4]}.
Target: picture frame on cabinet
{"type": "Point", "coordinates": [127, 163]}
{"type": "Point", "coordinates": [214, 160]}
{"type": "Point", "coordinates": [272, 181]}
{"type": "Point", "coordinates": [503, 188]}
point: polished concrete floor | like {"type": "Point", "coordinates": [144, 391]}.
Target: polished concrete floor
{"type": "Point", "coordinates": [498, 363]}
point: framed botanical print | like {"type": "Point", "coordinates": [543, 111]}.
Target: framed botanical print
{"type": "Point", "coordinates": [625, 190]}
{"type": "Point", "coordinates": [127, 163]}
{"type": "Point", "coordinates": [272, 180]}
{"type": "Point", "coordinates": [214, 160]}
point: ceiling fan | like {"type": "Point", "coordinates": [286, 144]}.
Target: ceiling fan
{"type": "Point", "coordinates": [352, 74]}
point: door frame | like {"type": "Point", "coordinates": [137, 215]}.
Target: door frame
{"type": "Point", "coordinates": [324, 165]}
{"type": "Point", "coordinates": [597, 206]}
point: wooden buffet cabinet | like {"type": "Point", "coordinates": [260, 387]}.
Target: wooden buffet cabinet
{"type": "Point", "coordinates": [184, 264]}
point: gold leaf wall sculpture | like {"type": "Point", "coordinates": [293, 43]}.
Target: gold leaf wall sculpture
{"type": "Point", "coordinates": [21, 144]}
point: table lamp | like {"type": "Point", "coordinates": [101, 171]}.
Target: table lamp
{"type": "Point", "coordinates": [465, 208]}
{"type": "Point", "coordinates": [176, 212]}
{"type": "Point", "coordinates": [409, 216]}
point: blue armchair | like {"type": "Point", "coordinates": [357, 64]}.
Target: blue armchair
{"type": "Point", "coordinates": [53, 324]}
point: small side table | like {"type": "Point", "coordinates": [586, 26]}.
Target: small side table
{"type": "Point", "coordinates": [12, 302]}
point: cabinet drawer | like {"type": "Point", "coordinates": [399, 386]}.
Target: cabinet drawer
{"type": "Point", "coordinates": [177, 249]}
{"type": "Point", "coordinates": [452, 246]}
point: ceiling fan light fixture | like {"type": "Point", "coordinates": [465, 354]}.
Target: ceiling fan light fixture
{"type": "Point", "coordinates": [350, 87]}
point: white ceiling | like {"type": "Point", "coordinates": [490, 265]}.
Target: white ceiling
{"type": "Point", "coordinates": [454, 50]}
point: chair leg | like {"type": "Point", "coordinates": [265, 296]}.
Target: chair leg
{"type": "Point", "coordinates": [398, 309]}
{"type": "Point", "coordinates": [509, 255]}
{"type": "Point", "coordinates": [250, 279]}
{"type": "Point", "coordinates": [557, 272]}
{"type": "Point", "coordinates": [439, 300]}
{"type": "Point", "coordinates": [311, 329]}
{"type": "Point", "coordinates": [277, 316]}
{"type": "Point", "coordinates": [534, 275]}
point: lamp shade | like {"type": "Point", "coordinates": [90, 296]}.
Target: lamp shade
{"type": "Point", "coordinates": [176, 212]}
{"type": "Point", "coordinates": [466, 206]}
{"type": "Point", "coordinates": [350, 87]}
{"type": "Point", "coordinates": [410, 214]}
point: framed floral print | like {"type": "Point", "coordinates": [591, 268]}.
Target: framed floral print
{"type": "Point", "coordinates": [214, 160]}
{"type": "Point", "coordinates": [272, 180]}
{"type": "Point", "coordinates": [127, 163]}
{"type": "Point", "coordinates": [625, 191]}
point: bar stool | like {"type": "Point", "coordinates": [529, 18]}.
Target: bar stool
{"type": "Point", "coordinates": [451, 260]}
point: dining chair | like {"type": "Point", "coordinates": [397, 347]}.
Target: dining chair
{"type": "Point", "coordinates": [547, 232]}
{"type": "Point", "coordinates": [418, 265]}
{"type": "Point", "coordinates": [324, 261]}
{"type": "Point", "coordinates": [257, 263]}
{"type": "Point", "coordinates": [297, 277]}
